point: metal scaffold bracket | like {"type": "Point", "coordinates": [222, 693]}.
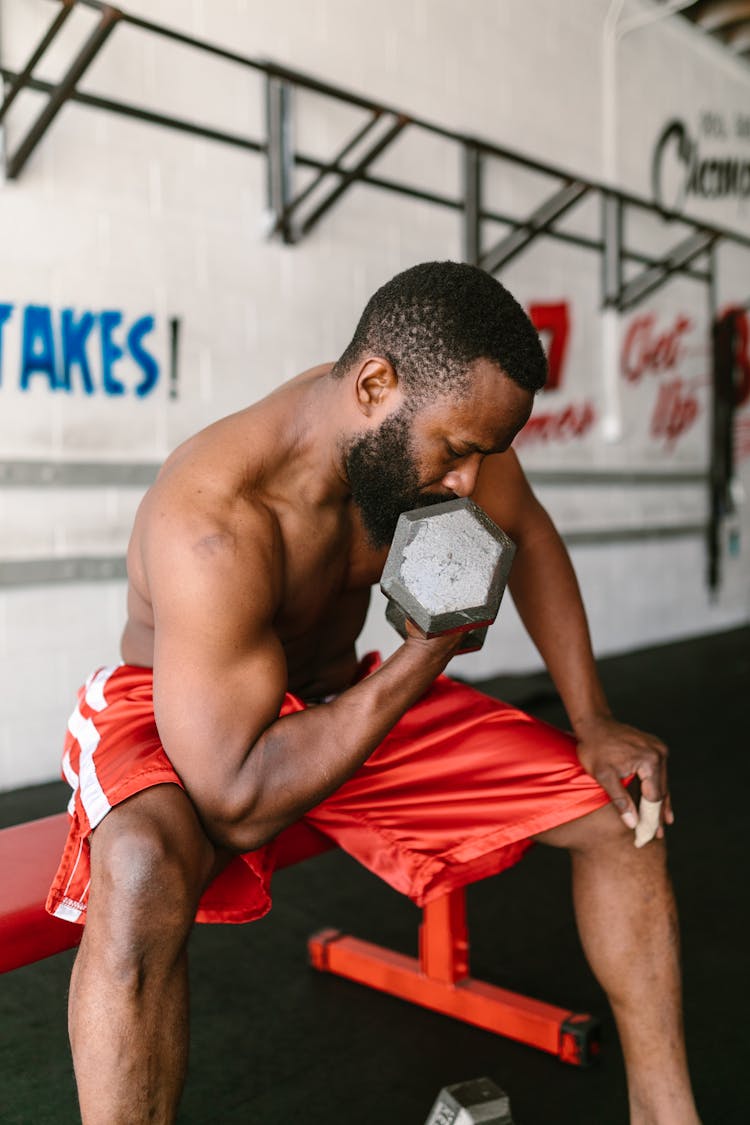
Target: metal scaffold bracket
{"type": "Point", "coordinates": [538, 222]}
{"type": "Point", "coordinates": [22, 78]}
{"type": "Point", "coordinates": [295, 209]}
{"type": "Point", "coordinates": [472, 181]}
{"type": "Point", "coordinates": [279, 155]}
{"type": "Point", "coordinates": [612, 254]}
{"type": "Point", "coordinates": [685, 252]}
{"type": "Point", "coordinates": [294, 215]}
{"type": "Point", "coordinates": [63, 90]}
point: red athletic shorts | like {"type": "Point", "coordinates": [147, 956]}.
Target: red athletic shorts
{"type": "Point", "coordinates": [452, 795]}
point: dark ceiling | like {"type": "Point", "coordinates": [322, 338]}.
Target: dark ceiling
{"type": "Point", "coordinates": [728, 21]}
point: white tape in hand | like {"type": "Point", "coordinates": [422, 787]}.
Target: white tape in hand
{"type": "Point", "coordinates": [649, 814]}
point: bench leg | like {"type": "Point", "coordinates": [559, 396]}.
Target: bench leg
{"type": "Point", "coordinates": [439, 979]}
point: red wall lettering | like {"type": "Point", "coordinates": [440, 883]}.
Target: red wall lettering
{"type": "Point", "coordinates": [645, 350]}
{"type": "Point", "coordinates": [675, 411]}
{"type": "Point", "coordinates": [569, 424]}
{"type": "Point", "coordinates": [553, 320]}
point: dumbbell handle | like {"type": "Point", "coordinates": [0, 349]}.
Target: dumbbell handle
{"type": "Point", "coordinates": [473, 638]}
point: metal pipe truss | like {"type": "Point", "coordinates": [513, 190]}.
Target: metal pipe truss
{"type": "Point", "coordinates": [59, 95]}
{"type": "Point", "coordinates": [295, 212]}
{"type": "Point", "coordinates": [540, 221]}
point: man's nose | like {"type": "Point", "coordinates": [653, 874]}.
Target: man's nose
{"type": "Point", "coordinates": [462, 480]}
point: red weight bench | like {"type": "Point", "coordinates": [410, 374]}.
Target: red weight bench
{"type": "Point", "coordinates": [438, 979]}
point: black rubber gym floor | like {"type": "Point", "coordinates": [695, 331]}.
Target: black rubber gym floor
{"type": "Point", "coordinates": [275, 1042]}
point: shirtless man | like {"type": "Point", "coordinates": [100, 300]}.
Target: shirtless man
{"type": "Point", "coordinates": [250, 568]}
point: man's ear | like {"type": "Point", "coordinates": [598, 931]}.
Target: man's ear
{"type": "Point", "coordinates": [375, 385]}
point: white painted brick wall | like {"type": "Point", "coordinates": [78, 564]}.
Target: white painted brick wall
{"type": "Point", "coordinates": [51, 637]}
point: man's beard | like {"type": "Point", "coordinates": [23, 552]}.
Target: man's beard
{"type": "Point", "coordinates": [383, 477]}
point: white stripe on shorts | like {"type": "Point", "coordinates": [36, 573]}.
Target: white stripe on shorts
{"type": "Point", "coordinates": [95, 687]}
{"type": "Point", "coordinates": [69, 773]}
{"type": "Point", "coordinates": [71, 777]}
{"type": "Point", "coordinates": [93, 797]}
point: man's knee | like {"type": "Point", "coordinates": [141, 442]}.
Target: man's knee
{"type": "Point", "coordinates": [147, 875]}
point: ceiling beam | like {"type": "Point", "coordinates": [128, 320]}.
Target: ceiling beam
{"type": "Point", "coordinates": [738, 39]}
{"type": "Point", "coordinates": [717, 15]}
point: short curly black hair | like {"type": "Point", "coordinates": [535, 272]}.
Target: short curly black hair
{"type": "Point", "coordinates": [432, 322]}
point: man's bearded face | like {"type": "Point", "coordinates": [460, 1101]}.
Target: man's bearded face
{"type": "Point", "coordinates": [383, 476]}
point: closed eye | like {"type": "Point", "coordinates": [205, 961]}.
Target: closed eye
{"type": "Point", "coordinates": [474, 449]}
{"type": "Point", "coordinates": [471, 452]}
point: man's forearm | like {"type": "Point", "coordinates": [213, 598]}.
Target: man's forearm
{"type": "Point", "coordinates": [548, 599]}
{"type": "Point", "coordinates": [305, 756]}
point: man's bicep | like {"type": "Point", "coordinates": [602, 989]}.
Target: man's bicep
{"type": "Point", "coordinates": [219, 668]}
{"type": "Point", "coordinates": [210, 712]}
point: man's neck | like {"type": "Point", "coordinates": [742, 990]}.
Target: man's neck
{"type": "Point", "coordinates": [307, 462]}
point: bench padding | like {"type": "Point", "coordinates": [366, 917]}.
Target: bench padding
{"type": "Point", "coordinates": [29, 856]}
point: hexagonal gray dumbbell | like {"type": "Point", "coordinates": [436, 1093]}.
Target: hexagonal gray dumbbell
{"type": "Point", "coordinates": [446, 571]}
{"type": "Point", "coordinates": [468, 1102]}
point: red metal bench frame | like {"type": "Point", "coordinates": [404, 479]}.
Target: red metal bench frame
{"type": "Point", "coordinates": [438, 979]}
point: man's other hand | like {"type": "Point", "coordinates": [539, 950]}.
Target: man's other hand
{"type": "Point", "coordinates": [612, 752]}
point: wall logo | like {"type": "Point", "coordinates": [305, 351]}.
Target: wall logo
{"type": "Point", "coordinates": [681, 166]}
{"type": "Point", "coordinates": [87, 352]}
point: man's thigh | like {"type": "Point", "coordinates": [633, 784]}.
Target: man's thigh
{"type": "Point", "coordinates": [593, 829]}
{"type": "Point", "coordinates": [460, 789]}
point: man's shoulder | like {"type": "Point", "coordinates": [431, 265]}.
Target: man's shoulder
{"type": "Point", "coordinates": [203, 513]}
{"type": "Point", "coordinates": [188, 555]}
{"type": "Point", "coordinates": [212, 516]}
